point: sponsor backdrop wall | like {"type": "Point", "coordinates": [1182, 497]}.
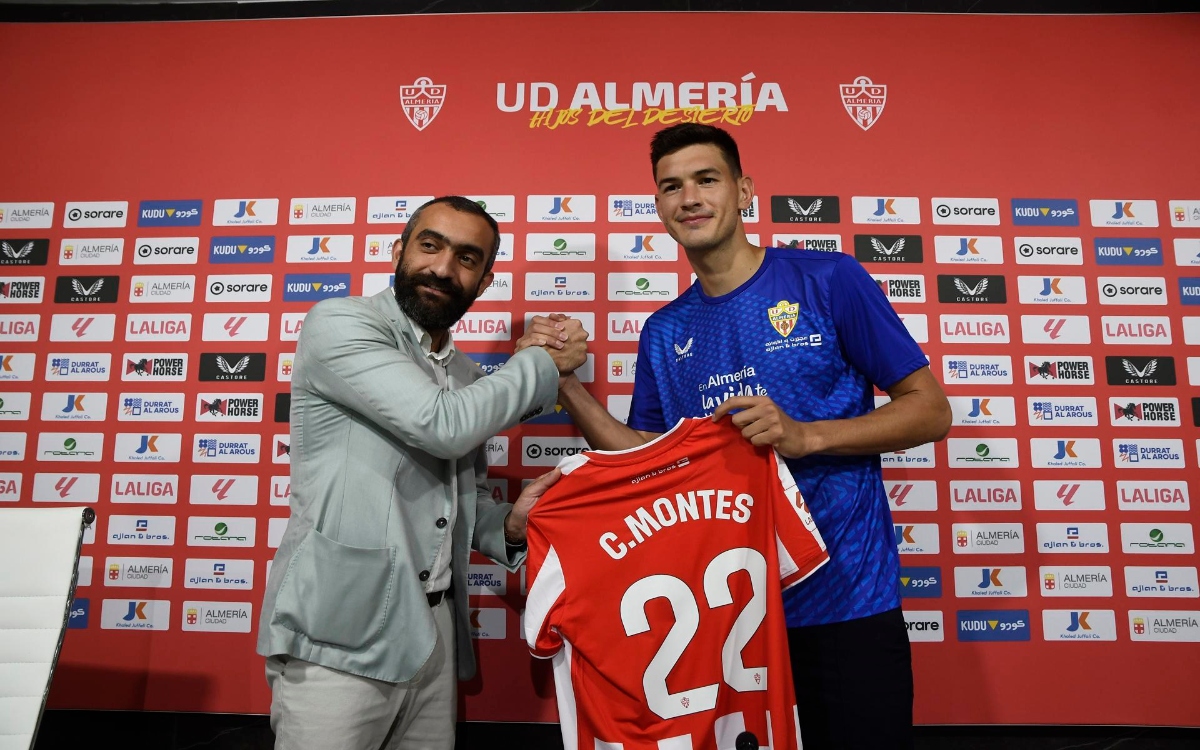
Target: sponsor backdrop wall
{"type": "Point", "coordinates": [176, 196]}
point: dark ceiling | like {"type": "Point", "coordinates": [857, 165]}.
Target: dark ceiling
{"type": "Point", "coordinates": [156, 10]}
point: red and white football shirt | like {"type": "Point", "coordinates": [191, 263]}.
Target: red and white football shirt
{"type": "Point", "coordinates": [656, 578]}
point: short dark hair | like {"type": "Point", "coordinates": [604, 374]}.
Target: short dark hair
{"type": "Point", "coordinates": [462, 205]}
{"type": "Point", "coordinates": [677, 137]}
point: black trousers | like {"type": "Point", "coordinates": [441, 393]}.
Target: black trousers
{"type": "Point", "coordinates": [854, 684]}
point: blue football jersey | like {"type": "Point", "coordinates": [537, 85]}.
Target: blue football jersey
{"type": "Point", "coordinates": [812, 331]}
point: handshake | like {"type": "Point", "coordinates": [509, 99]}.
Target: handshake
{"type": "Point", "coordinates": [563, 337]}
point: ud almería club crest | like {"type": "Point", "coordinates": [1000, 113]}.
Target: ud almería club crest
{"type": "Point", "coordinates": [864, 101]}
{"type": "Point", "coordinates": [783, 316]}
{"type": "Point", "coordinates": [422, 101]}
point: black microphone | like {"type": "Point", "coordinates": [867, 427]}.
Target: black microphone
{"type": "Point", "coordinates": [746, 741]}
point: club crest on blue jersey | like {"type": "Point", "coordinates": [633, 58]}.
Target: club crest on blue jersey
{"type": "Point", "coordinates": [783, 316]}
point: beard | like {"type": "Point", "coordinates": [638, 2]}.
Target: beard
{"type": "Point", "coordinates": [432, 315]}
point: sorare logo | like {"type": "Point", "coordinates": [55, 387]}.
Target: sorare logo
{"type": "Point", "coordinates": [170, 213]}
{"type": "Point", "coordinates": [302, 287]}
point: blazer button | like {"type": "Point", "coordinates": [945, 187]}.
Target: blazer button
{"type": "Point", "coordinates": [424, 575]}
{"type": "Point", "coordinates": [441, 523]}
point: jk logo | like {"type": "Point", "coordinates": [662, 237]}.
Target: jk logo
{"type": "Point", "coordinates": [966, 246]}
{"type": "Point", "coordinates": [903, 534]}
{"type": "Point", "coordinates": [148, 444]}
{"type": "Point", "coordinates": [561, 206]}
{"type": "Point", "coordinates": [979, 407]}
{"type": "Point", "coordinates": [74, 403]}
{"type": "Point", "coordinates": [245, 208]}
{"type": "Point", "coordinates": [991, 577]}
{"type": "Point", "coordinates": [641, 243]}
{"type": "Point", "coordinates": [1066, 449]}
{"type": "Point", "coordinates": [319, 245]}
{"type": "Point", "coordinates": [883, 207]}
{"type": "Point", "coordinates": [1124, 210]}
{"type": "Point", "coordinates": [137, 611]}
{"type": "Point", "coordinates": [1079, 622]}
{"type": "Point", "coordinates": [1050, 286]}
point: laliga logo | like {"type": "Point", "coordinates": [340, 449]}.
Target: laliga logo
{"type": "Point", "coordinates": [864, 101]}
{"type": "Point", "coordinates": [422, 101]}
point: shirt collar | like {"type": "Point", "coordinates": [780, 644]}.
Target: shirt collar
{"type": "Point", "coordinates": [441, 356]}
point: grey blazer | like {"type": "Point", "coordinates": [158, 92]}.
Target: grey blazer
{"type": "Point", "coordinates": [374, 441]}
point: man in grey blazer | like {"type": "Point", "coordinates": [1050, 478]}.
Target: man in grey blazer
{"type": "Point", "coordinates": [364, 622]}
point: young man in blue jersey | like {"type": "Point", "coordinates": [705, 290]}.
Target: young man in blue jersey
{"type": "Point", "coordinates": [788, 344]}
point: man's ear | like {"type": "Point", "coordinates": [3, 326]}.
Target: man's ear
{"type": "Point", "coordinates": [745, 192]}
{"type": "Point", "coordinates": [484, 283]}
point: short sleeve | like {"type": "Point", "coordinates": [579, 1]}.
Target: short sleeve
{"type": "Point", "coordinates": [798, 541]}
{"type": "Point", "coordinates": [872, 335]}
{"type": "Point", "coordinates": [546, 597]}
{"type": "Point", "coordinates": [645, 410]}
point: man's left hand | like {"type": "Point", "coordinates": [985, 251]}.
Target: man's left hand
{"type": "Point", "coordinates": [518, 517]}
{"type": "Point", "coordinates": [763, 423]}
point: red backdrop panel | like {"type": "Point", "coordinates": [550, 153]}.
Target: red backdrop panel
{"type": "Point", "coordinates": [998, 107]}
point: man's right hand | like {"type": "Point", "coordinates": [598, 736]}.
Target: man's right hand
{"type": "Point", "coordinates": [563, 337]}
